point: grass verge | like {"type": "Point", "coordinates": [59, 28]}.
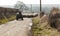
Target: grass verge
{"type": "Point", "coordinates": [5, 20]}
{"type": "Point", "coordinates": [43, 29]}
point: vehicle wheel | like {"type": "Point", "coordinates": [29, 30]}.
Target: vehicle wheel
{"type": "Point", "coordinates": [16, 18]}
{"type": "Point", "coordinates": [21, 18]}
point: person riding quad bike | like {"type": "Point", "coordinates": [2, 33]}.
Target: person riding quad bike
{"type": "Point", "coordinates": [19, 16]}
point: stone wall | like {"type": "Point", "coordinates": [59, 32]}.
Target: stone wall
{"type": "Point", "coordinates": [7, 12]}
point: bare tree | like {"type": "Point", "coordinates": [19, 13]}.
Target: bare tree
{"type": "Point", "coordinates": [21, 6]}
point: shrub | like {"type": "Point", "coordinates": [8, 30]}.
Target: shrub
{"type": "Point", "coordinates": [54, 17]}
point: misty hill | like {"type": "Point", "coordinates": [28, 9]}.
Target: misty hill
{"type": "Point", "coordinates": [7, 6]}
{"type": "Point", "coordinates": [47, 7]}
{"type": "Point", "coordinates": [35, 7]}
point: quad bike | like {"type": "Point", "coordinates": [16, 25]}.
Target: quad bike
{"type": "Point", "coordinates": [19, 16]}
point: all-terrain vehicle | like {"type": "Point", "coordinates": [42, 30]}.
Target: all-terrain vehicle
{"type": "Point", "coordinates": [19, 16]}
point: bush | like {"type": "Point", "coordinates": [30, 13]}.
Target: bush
{"type": "Point", "coordinates": [54, 18]}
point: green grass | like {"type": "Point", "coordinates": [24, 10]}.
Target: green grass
{"type": "Point", "coordinates": [35, 20]}
{"type": "Point", "coordinates": [35, 29]}
{"type": "Point", "coordinates": [12, 18]}
{"type": "Point", "coordinates": [5, 20]}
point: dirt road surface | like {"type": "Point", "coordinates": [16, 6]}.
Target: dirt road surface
{"type": "Point", "coordinates": [16, 28]}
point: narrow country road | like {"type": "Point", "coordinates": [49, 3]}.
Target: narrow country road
{"type": "Point", "coordinates": [16, 28]}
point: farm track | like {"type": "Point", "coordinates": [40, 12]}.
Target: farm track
{"type": "Point", "coordinates": [16, 28]}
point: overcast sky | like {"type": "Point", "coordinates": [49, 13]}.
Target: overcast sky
{"type": "Point", "coordinates": [50, 1]}
{"type": "Point", "coordinates": [12, 2]}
